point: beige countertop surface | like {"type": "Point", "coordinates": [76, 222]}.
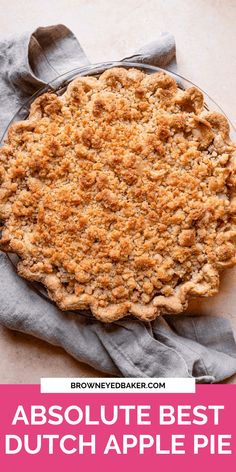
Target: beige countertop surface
{"type": "Point", "coordinates": [109, 30]}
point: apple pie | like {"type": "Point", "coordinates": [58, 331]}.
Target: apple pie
{"type": "Point", "coordinates": [119, 195]}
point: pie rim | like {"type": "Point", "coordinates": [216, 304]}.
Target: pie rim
{"type": "Point", "coordinates": [200, 286]}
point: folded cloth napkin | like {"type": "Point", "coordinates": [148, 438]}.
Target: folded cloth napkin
{"type": "Point", "coordinates": [172, 346]}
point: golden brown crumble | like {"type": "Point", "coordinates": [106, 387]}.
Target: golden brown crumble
{"type": "Point", "coordinates": [120, 195]}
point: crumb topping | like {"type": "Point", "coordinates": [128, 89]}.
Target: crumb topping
{"type": "Point", "coordinates": [120, 194]}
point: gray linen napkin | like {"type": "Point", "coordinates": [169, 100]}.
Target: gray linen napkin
{"type": "Point", "coordinates": [172, 346]}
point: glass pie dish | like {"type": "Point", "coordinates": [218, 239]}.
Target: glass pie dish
{"type": "Point", "coordinates": [58, 87]}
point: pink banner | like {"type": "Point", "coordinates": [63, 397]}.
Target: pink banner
{"type": "Point", "coordinates": [114, 432]}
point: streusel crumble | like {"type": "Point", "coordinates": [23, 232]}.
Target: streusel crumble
{"type": "Point", "coordinates": [119, 195]}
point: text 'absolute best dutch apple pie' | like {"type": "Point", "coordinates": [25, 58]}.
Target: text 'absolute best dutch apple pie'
{"type": "Point", "coordinates": [119, 195]}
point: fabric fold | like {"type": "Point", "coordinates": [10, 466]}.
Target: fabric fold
{"type": "Point", "coordinates": [156, 53]}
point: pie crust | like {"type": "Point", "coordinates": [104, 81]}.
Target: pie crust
{"type": "Point", "coordinates": [119, 195]}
